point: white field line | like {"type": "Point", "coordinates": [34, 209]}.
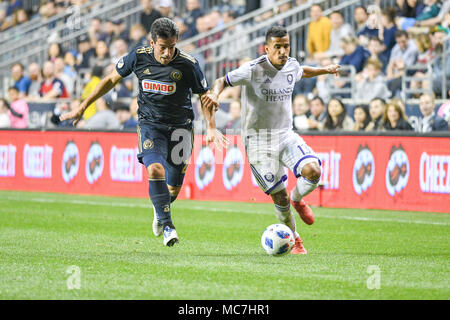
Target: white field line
{"type": "Point", "coordinates": [148, 206]}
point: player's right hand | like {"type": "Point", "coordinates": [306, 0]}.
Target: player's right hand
{"type": "Point", "coordinates": [214, 135]}
{"type": "Point", "coordinates": [74, 114]}
{"type": "Point", "coordinates": [210, 100]}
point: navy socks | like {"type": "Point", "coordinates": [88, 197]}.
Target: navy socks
{"type": "Point", "coordinates": [161, 199]}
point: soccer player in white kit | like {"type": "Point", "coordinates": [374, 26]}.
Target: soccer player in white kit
{"type": "Point", "coordinates": [267, 130]}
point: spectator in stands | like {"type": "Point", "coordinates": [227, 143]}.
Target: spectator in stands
{"type": "Point", "coordinates": [430, 121]}
{"type": "Point", "coordinates": [124, 116]}
{"type": "Point", "coordinates": [389, 30]}
{"type": "Point", "coordinates": [377, 108]}
{"type": "Point", "coordinates": [119, 48]}
{"type": "Point", "coordinates": [108, 35]}
{"type": "Point", "coordinates": [148, 14]}
{"type": "Point", "coordinates": [34, 70]}
{"type": "Point", "coordinates": [237, 35]}
{"type": "Point", "coordinates": [326, 84]}
{"type": "Point", "coordinates": [371, 83]}
{"type": "Point", "coordinates": [18, 111]}
{"type": "Point", "coordinates": [193, 11]}
{"type": "Point", "coordinates": [319, 29]}
{"type": "Point", "coordinates": [182, 28]}
{"type": "Point", "coordinates": [427, 45]}
{"type": "Point", "coordinates": [318, 113]}
{"type": "Point", "coordinates": [94, 80]}
{"type": "Point", "coordinates": [233, 126]}
{"type": "Point", "coordinates": [21, 82]}
{"type": "Point", "coordinates": [337, 118]}
{"type": "Point", "coordinates": [104, 118]}
{"type": "Point", "coordinates": [5, 121]}
{"type": "Point", "coordinates": [51, 87]}
{"type": "Point", "coordinates": [376, 50]}
{"type": "Point", "coordinates": [47, 11]}
{"type": "Point", "coordinates": [70, 64]}
{"type": "Point", "coordinates": [360, 17]}
{"type": "Point", "coordinates": [372, 28]}
{"type": "Point", "coordinates": [120, 30]}
{"type": "Point", "coordinates": [395, 119]}
{"type": "Point", "coordinates": [439, 73]}
{"type": "Point", "coordinates": [95, 30]}
{"type": "Point", "coordinates": [85, 52]}
{"type": "Point", "coordinates": [361, 116]}
{"type": "Point", "coordinates": [339, 30]}
{"type": "Point", "coordinates": [54, 51]}
{"type": "Point", "coordinates": [67, 79]}
{"type": "Point", "coordinates": [355, 54]}
{"type": "Point", "coordinates": [403, 54]}
{"type": "Point", "coordinates": [430, 11]}
{"type": "Point", "coordinates": [137, 36]}
{"type": "Point", "coordinates": [300, 110]}
{"type": "Point", "coordinates": [101, 57]}
{"type": "Point", "coordinates": [166, 8]}
{"type": "Point", "coordinates": [439, 19]}
{"type": "Point", "coordinates": [411, 8]}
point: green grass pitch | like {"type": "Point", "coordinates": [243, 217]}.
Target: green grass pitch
{"type": "Point", "coordinates": [219, 255]}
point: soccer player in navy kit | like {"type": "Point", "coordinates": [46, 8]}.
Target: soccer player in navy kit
{"type": "Point", "coordinates": [167, 79]}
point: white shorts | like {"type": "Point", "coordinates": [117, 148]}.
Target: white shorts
{"type": "Point", "coordinates": [268, 158]}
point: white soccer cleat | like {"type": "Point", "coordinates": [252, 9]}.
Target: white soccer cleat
{"type": "Point", "coordinates": [170, 236]}
{"type": "Point", "coordinates": [157, 228]}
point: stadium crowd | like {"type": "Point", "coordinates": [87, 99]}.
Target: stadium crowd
{"type": "Point", "coordinates": [379, 45]}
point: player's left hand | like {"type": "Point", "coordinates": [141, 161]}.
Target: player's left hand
{"type": "Point", "coordinates": [214, 135]}
{"type": "Point", "coordinates": [333, 69]}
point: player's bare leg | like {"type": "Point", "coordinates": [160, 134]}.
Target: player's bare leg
{"type": "Point", "coordinates": [285, 216]}
{"type": "Point", "coordinates": [306, 183]}
{"type": "Point", "coordinates": [160, 197]}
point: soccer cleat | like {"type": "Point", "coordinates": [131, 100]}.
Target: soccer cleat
{"type": "Point", "coordinates": [298, 247]}
{"type": "Point", "coordinates": [304, 211]}
{"type": "Point", "coordinates": [157, 228]}
{"type": "Point", "coordinates": [170, 236]}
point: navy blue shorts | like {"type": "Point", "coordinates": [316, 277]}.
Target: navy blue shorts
{"type": "Point", "coordinates": [171, 146]}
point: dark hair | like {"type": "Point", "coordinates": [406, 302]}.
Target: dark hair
{"type": "Point", "coordinates": [380, 99]}
{"type": "Point", "coordinates": [401, 33]}
{"type": "Point", "coordinates": [364, 108]}
{"type": "Point", "coordinates": [276, 32]}
{"type": "Point", "coordinates": [374, 38]}
{"type": "Point", "coordinates": [97, 71]}
{"type": "Point", "coordinates": [163, 28]}
{"type": "Point", "coordinates": [13, 88]}
{"type": "Point", "coordinates": [337, 12]}
{"type": "Point", "coordinates": [329, 122]}
{"type": "Point", "coordinates": [317, 98]}
{"type": "Point", "coordinates": [390, 13]}
{"type": "Point", "coordinates": [361, 7]}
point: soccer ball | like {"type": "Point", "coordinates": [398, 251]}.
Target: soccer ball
{"type": "Point", "coordinates": [277, 240]}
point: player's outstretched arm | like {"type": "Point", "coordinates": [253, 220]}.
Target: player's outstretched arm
{"type": "Point", "coordinates": [102, 88]}
{"type": "Point", "coordinates": [212, 134]}
{"type": "Point", "coordinates": [309, 72]}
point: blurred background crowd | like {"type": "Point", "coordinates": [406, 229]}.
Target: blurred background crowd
{"type": "Point", "coordinates": [377, 46]}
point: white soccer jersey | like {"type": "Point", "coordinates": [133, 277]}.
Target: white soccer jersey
{"type": "Point", "coordinates": [266, 94]}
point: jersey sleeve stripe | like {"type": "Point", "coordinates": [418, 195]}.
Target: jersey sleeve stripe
{"type": "Point", "coordinates": [228, 81]}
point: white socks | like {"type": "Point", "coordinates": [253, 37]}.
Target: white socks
{"type": "Point", "coordinates": [285, 216]}
{"type": "Point", "coordinates": [303, 188]}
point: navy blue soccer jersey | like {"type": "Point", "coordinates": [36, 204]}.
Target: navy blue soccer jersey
{"type": "Point", "coordinates": [164, 90]}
